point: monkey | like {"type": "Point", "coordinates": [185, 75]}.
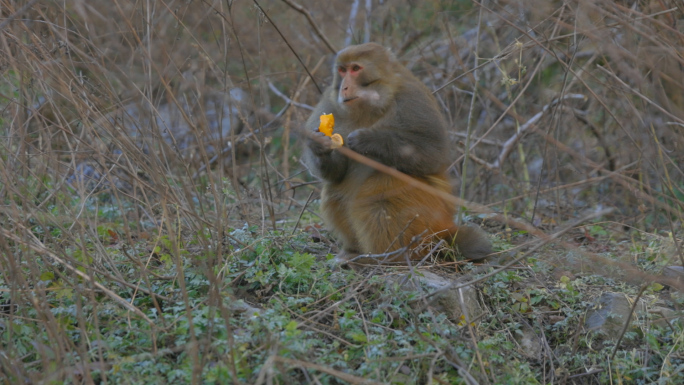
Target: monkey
{"type": "Point", "coordinates": [386, 114]}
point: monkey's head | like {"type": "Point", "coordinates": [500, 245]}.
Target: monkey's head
{"type": "Point", "coordinates": [364, 76]}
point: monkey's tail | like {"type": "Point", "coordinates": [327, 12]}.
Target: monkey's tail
{"type": "Point", "coordinates": [471, 241]}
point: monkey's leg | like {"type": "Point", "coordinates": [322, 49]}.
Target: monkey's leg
{"type": "Point", "coordinates": [390, 214]}
{"type": "Point", "coordinates": [471, 241]}
{"type": "Point", "coordinates": [334, 210]}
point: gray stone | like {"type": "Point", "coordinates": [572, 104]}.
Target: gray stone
{"type": "Point", "coordinates": [611, 313]}
{"type": "Point", "coordinates": [529, 342]}
{"type": "Point", "coordinates": [674, 272]}
{"type": "Point", "coordinates": [247, 310]}
{"type": "Point", "coordinates": [453, 301]}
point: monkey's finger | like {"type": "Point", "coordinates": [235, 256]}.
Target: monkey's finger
{"type": "Point", "coordinates": [320, 144]}
{"type": "Point", "coordinates": [315, 135]}
{"type": "Point", "coordinates": [319, 137]}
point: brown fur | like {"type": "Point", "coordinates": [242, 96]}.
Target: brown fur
{"type": "Point", "coordinates": [386, 114]}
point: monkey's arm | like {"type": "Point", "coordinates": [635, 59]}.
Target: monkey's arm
{"type": "Point", "coordinates": [323, 161]}
{"type": "Point", "coordinates": [414, 141]}
{"type": "Point", "coordinates": [320, 157]}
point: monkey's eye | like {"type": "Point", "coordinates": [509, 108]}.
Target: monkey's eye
{"type": "Point", "coordinates": [342, 69]}
{"type": "Point", "coordinates": [356, 68]}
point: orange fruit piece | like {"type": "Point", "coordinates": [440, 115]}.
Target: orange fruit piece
{"type": "Point", "coordinates": [337, 140]}
{"type": "Point", "coordinates": [327, 124]}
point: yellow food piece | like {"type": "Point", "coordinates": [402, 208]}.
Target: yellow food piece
{"type": "Point", "coordinates": [327, 124]}
{"type": "Point", "coordinates": [337, 140]}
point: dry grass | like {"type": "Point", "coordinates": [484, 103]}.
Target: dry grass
{"type": "Point", "coordinates": [135, 137]}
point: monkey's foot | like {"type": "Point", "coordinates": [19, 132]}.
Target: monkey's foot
{"type": "Point", "coordinates": [343, 258]}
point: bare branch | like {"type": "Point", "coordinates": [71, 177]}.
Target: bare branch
{"type": "Point", "coordinates": [352, 22]}
{"type": "Point", "coordinates": [288, 100]}
{"type": "Point", "coordinates": [318, 31]}
{"type": "Point", "coordinates": [510, 143]}
{"type": "Point", "coordinates": [18, 13]}
{"type": "Point", "coordinates": [36, 245]}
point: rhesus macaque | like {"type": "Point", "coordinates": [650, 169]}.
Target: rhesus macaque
{"type": "Point", "coordinates": [385, 113]}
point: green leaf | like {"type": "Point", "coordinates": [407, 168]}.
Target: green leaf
{"type": "Point", "coordinates": [359, 337]}
{"type": "Point", "coordinates": [302, 262]}
{"type": "Point", "coordinates": [291, 329]}
{"type": "Point", "coordinates": [47, 276]}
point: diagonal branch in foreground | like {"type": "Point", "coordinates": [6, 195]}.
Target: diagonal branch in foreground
{"type": "Point", "coordinates": [600, 261]}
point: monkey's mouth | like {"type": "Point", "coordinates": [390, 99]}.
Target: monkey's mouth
{"type": "Point", "coordinates": [350, 99]}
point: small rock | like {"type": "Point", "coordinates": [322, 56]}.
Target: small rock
{"type": "Point", "coordinates": [611, 314]}
{"type": "Point", "coordinates": [529, 342]}
{"type": "Point", "coordinates": [674, 272]}
{"type": "Point", "coordinates": [452, 301]}
{"type": "Point", "coordinates": [246, 309]}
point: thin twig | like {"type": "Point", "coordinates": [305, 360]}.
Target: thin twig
{"type": "Point", "coordinates": [589, 373]}
{"type": "Point", "coordinates": [544, 241]}
{"type": "Point", "coordinates": [352, 22]}
{"type": "Point", "coordinates": [510, 143]}
{"type": "Point", "coordinates": [469, 122]}
{"type": "Point", "coordinates": [18, 13]}
{"type": "Point", "coordinates": [639, 94]}
{"type": "Point", "coordinates": [478, 208]}
{"type": "Point", "coordinates": [288, 100]}
{"type": "Point", "coordinates": [412, 268]}
{"type": "Point", "coordinates": [628, 320]}
{"type": "Point", "coordinates": [288, 45]}
{"type": "Point", "coordinates": [302, 212]}
{"type": "Point", "coordinates": [367, 22]}
{"type": "Point", "coordinates": [306, 13]}
{"type": "Point", "coordinates": [37, 246]}
{"type": "Point", "coordinates": [336, 373]}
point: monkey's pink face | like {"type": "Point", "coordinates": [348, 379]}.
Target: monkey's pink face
{"type": "Point", "coordinates": [353, 90]}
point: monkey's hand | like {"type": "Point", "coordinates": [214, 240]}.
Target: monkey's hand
{"type": "Point", "coordinates": [320, 144]}
{"type": "Point", "coordinates": [355, 141]}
